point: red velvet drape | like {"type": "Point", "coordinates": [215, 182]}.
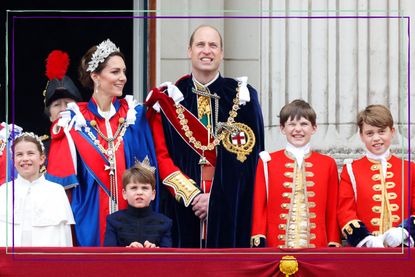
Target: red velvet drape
{"type": "Point", "coordinates": [79, 261]}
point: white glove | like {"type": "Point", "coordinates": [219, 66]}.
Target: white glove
{"type": "Point", "coordinates": [372, 241]}
{"type": "Point", "coordinates": [64, 118]}
{"type": "Point", "coordinates": [395, 237]}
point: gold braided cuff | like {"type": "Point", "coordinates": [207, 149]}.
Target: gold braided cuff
{"type": "Point", "coordinates": [256, 240]}
{"type": "Point", "coordinates": [184, 188]}
{"type": "Point", "coordinates": [347, 229]}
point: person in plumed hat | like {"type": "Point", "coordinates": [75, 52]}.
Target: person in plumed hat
{"type": "Point", "coordinates": [60, 89]}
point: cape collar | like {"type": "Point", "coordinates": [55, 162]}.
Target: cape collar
{"type": "Point", "coordinates": [93, 107]}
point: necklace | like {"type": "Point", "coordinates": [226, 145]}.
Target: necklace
{"type": "Point", "coordinates": [220, 129]}
{"type": "Point", "coordinates": [110, 153]}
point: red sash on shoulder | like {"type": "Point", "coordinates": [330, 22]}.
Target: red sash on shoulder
{"type": "Point", "coordinates": [168, 107]}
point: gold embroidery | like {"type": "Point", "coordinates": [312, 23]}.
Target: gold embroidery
{"type": "Point", "coordinates": [308, 164]}
{"type": "Point", "coordinates": [298, 231]}
{"type": "Point", "coordinates": [241, 150]}
{"type": "Point", "coordinates": [392, 195]}
{"type": "Point", "coordinates": [309, 174]}
{"type": "Point", "coordinates": [286, 184]}
{"type": "Point", "coordinates": [348, 227]}
{"type": "Point", "coordinates": [376, 209]}
{"type": "Point", "coordinates": [376, 177]}
{"type": "Point", "coordinates": [396, 218]}
{"type": "Point", "coordinates": [288, 174]}
{"type": "Point", "coordinates": [375, 167]}
{"type": "Point", "coordinates": [183, 187]}
{"type": "Point", "coordinates": [286, 195]}
{"type": "Point", "coordinates": [289, 165]}
{"type": "Point", "coordinates": [377, 187]}
{"type": "Point", "coordinates": [309, 183]}
{"type": "Point", "coordinates": [374, 221]}
{"type": "Point", "coordinates": [377, 197]}
{"type": "Point", "coordinates": [311, 204]}
{"type": "Point", "coordinates": [394, 207]}
{"type": "Point", "coordinates": [390, 185]}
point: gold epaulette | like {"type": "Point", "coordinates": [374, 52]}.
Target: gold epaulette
{"type": "Point", "coordinates": [256, 240]}
{"type": "Point", "coordinates": [184, 188]}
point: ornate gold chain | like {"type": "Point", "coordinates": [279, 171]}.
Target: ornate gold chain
{"type": "Point", "coordinates": [110, 153]}
{"type": "Point", "coordinates": [119, 134]}
{"type": "Point", "coordinates": [189, 133]}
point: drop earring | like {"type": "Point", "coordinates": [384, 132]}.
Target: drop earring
{"type": "Point", "coordinates": [96, 87]}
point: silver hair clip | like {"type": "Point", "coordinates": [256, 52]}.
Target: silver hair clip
{"type": "Point", "coordinates": [104, 49]}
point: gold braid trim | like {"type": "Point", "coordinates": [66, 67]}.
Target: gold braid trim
{"type": "Point", "coordinates": [256, 240]}
{"type": "Point", "coordinates": [347, 229]}
{"type": "Point", "coordinates": [184, 188]}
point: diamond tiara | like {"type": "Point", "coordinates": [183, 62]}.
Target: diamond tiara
{"type": "Point", "coordinates": [104, 49]}
{"type": "Point", "coordinates": [31, 134]}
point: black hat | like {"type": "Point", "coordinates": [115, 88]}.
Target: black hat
{"type": "Point", "coordinates": [59, 85]}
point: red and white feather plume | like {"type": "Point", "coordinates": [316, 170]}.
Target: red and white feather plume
{"type": "Point", "coordinates": [57, 64]}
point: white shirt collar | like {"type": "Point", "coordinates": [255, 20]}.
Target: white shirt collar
{"type": "Point", "coordinates": [298, 152]}
{"type": "Point", "coordinates": [382, 158]}
{"type": "Point", "coordinates": [25, 182]}
{"type": "Point", "coordinates": [208, 84]}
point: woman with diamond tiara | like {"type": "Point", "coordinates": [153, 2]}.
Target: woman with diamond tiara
{"type": "Point", "coordinates": [37, 212]}
{"type": "Point", "coordinates": [94, 142]}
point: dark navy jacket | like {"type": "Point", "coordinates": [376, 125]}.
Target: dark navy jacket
{"type": "Point", "coordinates": [230, 202]}
{"type": "Point", "coordinates": [137, 224]}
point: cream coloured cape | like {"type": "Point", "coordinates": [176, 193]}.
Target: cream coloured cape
{"type": "Point", "coordinates": [51, 213]}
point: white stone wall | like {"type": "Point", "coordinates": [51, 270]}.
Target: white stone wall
{"type": "Point", "coordinates": [338, 65]}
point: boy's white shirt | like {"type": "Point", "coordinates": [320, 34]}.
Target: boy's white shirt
{"type": "Point", "coordinates": [298, 152]}
{"type": "Point", "coordinates": [382, 158]}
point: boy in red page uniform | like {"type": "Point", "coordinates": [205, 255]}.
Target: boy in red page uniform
{"type": "Point", "coordinates": [373, 190]}
{"type": "Point", "coordinates": [295, 192]}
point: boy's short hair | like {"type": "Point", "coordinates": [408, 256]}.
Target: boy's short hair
{"type": "Point", "coordinates": [139, 174]}
{"type": "Point", "coordinates": [375, 115]}
{"type": "Point", "coordinates": [297, 109]}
